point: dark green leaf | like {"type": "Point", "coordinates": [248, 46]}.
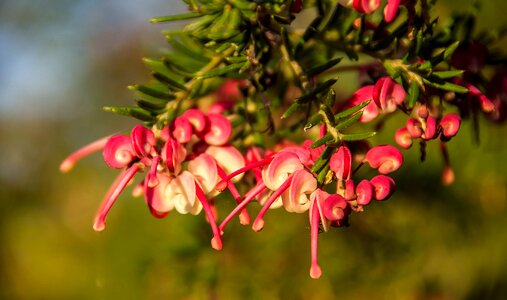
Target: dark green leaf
{"type": "Point", "coordinates": [350, 111]}
{"type": "Point", "coordinates": [156, 107]}
{"type": "Point", "coordinates": [313, 121]}
{"type": "Point", "coordinates": [330, 98]}
{"type": "Point", "coordinates": [322, 141]}
{"type": "Point", "coordinates": [170, 81]}
{"type": "Point", "coordinates": [323, 159]}
{"type": "Point", "coordinates": [291, 110]}
{"type": "Point", "coordinates": [329, 117]}
{"type": "Point", "coordinates": [450, 50]}
{"type": "Point", "coordinates": [446, 86]}
{"type": "Point", "coordinates": [347, 122]}
{"type": "Point", "coordinates": [222, 71]}
{"type": "Point", "coordinates": [135, 112]}
{"type": "Point", "coordinates": [151, 92]}
{"type": "Point", "coordinates": [448, 74]}
{"type": "Point", "coordinates": [196, 90]}
{"type": "Point", "coordinates": [413, 93]}
{"type": "Point", "coordinates": [321, 177]}
{"type": "Point", "coordinates": [357, 136]}
{"type": "Point", "coordinates": [324, 67]}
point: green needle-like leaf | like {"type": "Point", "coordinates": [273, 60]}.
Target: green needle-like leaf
{"type": "Point", "coordinates": [186, 16]}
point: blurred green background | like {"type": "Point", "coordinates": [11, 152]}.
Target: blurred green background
{"type": "Point", "coordinates": [61, 61]}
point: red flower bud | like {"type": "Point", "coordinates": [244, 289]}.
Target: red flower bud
{"type": "Point", "coordinates": [414, 127]}
{"type": "Point", "coordinates": [385, 158]}
{"type": "Point", "coordinates": [218, 131]}
{"type": "Point", "coordinates": [431, 128]}
{"type": "Point", "coordinates": [403, 138]}
{"type": "Point", "coordinates": [391, 10]}
{"type": "Point", "coordinates": [364, 192]}
{"type": "Point", "coordinates": [366, 6]}
{"type": "Point", "coordinates": [182, 131]}
{"type": "Point", "coordinates": [334, 207]}
{"type": "Point", "coordinates": [388, 94]}
{"type": "Point", "coordinates": [384, 187]}
{"type": "Point", "coordinates": [196, 118]}
{"type": "Point", "coordinates": [450, 124]}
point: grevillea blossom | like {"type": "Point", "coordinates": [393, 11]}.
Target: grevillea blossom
{"type": "Point", "coordinates": [169, 184]}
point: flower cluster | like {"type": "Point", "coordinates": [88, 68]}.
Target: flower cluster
{"type": "Point", "coordinates": [241, 62]}
{"type": "Point", "coordinates": [189, 162]}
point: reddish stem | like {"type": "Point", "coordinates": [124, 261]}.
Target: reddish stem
{"type": "Point", "coordinates": [223, 184]}
{"type": "Point", "coordinates": [259, 188]}
{"type": "Point", "coordinates": [216, 241]}
{"type": "Point", "coordinates": [71, 160]}
{"type": "Point", "coordinates": [259, 222]}
{"type": "Point", "coordinates": [315, 271]}
{"type": "Point", "coordinates": [244, 218]}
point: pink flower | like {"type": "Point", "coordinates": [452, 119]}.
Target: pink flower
{"type": "Point", "coordinates": [364, 192]}
{"type": "Point", "coordinates": [450, 124]}
{"type": "Point", "coordinates": [487, 105]}
{"type": "Point", "coordinates": [369, 6]}
{"type": "Point", "coordinates": [403, 138]}
{"type": "Point", "coordinates": [341, 163]}
{"type": "Point", "coordinates": [385, 158]}
{"type": "Point", "coordinates": [383, 187]}
{"type": "Point", "coordinates": [365, 6]}
{"type": "Point", "coordinates": [370, 112]}
{"type": "Point", "coordinates": [391, 10]}
{"type": "Point", "coordinates": [388, 94]}
{"type": "Point", "coordinates": [324, 209]}
{"type": "Point", "coordinates": [218, 130]}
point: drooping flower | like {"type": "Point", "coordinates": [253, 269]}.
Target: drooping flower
{"type": "Point", "coordinates": [385, 158]}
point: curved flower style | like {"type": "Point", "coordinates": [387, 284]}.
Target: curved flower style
{"type": "Point", "coordinates": [385, 158]}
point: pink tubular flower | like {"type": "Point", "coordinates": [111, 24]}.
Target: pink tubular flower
{"type": "Point", "coordinates": [182, 130]}
{"type": "Point", "coordinates": [385, 158]}
{"type": "Point", "coordinates": [369, 6]}
{"type": "Point", "coordinates": [341, 163]}
{"type": "Point", "coordinates": [196, 118]}
{"type": "Point", "coordinates": [295, 199]}
{"type": "Point", "coordinates": [487, 105]}
{"type": "Point", "coordinates": [388, 94]}
{"type": "Point", "coordinates": [118, 152]}
{"type": "Point", "coordinates": [414, 127]}
{"type": "Point", "coordinates": [391, 10]}
{"type": "Point", "coordinates": [324, 209]}
{"type": "Point", "coordinates": [110, 198]}
{"type": "Point", "coordinates": [69, 162]}
{"type": "Point", "coordinates": [383, 187]}
{"type": "Point", "coordinates": [364, 192]}
{"type": "Point", "coordinates": [450, 124]}
{"type": "Point", "coordinates": [403, 138]}
{"type": "Point", "coordinates": [431, 128]}
{"type": "Point", "coordinates": [278, 176]}
{"type": "Point", "coordinates": [218, 131]}
{"type": "Point", "coordinates": [370, 112]}
{"type": "Point", "coordinates": [366, 6]}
